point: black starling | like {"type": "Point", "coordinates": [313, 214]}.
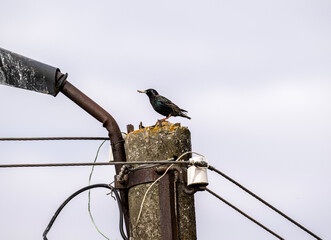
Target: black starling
{"type": "Point", "coordinates": [163, 105]}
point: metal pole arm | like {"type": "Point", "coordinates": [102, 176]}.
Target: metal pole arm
{"type": "Point", "coordinates": [101, 115]}
{"type": "Point", "coordinates": [114, 132]}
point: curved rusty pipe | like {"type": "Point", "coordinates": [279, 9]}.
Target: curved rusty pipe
{"type": "Point", "coordinates": [114, 132]}
{"type": "Point", "coordinates": [101, 115]}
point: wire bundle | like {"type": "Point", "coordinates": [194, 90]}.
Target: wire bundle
{"type": "Point", "coordinates": [142, 164]}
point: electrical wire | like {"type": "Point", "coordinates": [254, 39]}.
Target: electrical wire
{"type": "Point", "coordinates": [90, 164]}
{"type": "Point", "coordinates": [138, 162]}
{"type": "Point", "coordinates": [165, 172]}
{"type": "Point", "coordinates": [121, 222]}
{"type": "Point", "coordinates": [89, 193]}
{"type": "Point", "coordinates": [244, 214]}
{"type": "Point", "coordinates": [53, 138]}
{"type": "Point", "coordinates": [49, 226]}
{"type": "Point", "coordinates": [144, 198]}
{"type": "Point", "coordinates": [263, 201]}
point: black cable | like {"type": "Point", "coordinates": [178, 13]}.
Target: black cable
{"type": "Point", "coordinates": [53, 138]}
{"type": "Point", "coordinates": [121, 214]}
{"type": "Point", "coordinates": [244, 214]}
{"type": "Point", "coordinates": [80, 191]}
{"type": "Point", "coordinates": [91, 164]}
{"type": "Point", "coordinates": [264, 202]}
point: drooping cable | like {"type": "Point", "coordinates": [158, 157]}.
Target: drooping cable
{"type": "Point", "coordinates": [118, 199]}
{"type": "Point", "coordinates": [49, 226]}
{"type": "Point", "coordinates": [89, 193]}
{"type": "Point", "coordinates": [244, 214]}
{"type": "Point", "coordinates": [165, 172]}
{"type": "Point", "coordinates": [263, 201]}
{"type": "Point", "coordinates": [143, 201]}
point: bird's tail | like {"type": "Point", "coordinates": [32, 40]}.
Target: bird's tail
{"type": "Point", "coordinates": [182, 114]}
{"type": "Point", "coordinates": [185, 116]}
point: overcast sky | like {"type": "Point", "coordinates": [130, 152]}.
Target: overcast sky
{"type": "Point", "coordinates": [255, 77]}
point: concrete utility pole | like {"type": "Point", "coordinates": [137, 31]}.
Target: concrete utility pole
{"type": "Point", "coordinates": [168, 212]}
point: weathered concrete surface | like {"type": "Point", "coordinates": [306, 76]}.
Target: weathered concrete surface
{"type": "Point", "coordinates": [152, 144]}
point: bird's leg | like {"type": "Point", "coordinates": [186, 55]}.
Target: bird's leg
{"type": "Point", "coordinates": [162, 120]}
{"type": "Point", "coordinates": [158, 123]}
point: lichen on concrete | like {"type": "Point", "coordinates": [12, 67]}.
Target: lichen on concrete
{"type": "Point", "coordinates": [157, 143]}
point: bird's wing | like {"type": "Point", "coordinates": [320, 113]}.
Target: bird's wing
{"type": "Point", "coordinates": [168, 103]}
{"type": "Point", "coordinates": [163, 99]}
{"type": "Point", "coordinates": [176, 111]}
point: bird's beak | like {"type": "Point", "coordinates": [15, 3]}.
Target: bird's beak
{"type": "Point", "coordinates": [141, 91]}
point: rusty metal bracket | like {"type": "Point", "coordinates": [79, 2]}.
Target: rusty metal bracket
{"type": "Point", "coordinates": [169, 184]}
{"type": "Point", "coordinates": [133, 178]}
{"type": "Point", "coordinates": [168, 202]}
{"type": "Point", "coordinates": [147, 175]}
